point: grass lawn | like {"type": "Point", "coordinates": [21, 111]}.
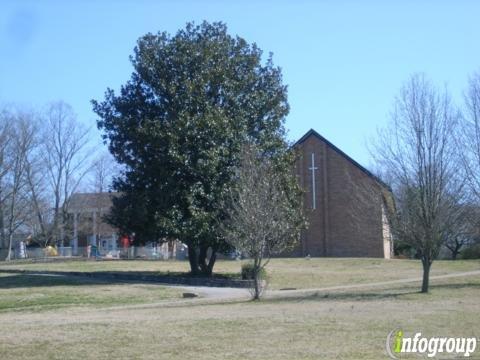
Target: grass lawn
{"type": "Point", "coordinates": [19, 292]}
{"type": "Point", "coordinates": [344, 324]}
{"type": "Point", "coordinates": [283, 273]}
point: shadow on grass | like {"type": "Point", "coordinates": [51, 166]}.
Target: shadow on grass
{"type": "Point", "coordinates": [351, 296]}
{"type": "Point", "coordinates": [13, 281]}
{"type": "Point", "coordinates": [372, 295]}
{"type": "Point", "coordinates": [31, 278]}
{"type": "Point", "coordinates": [456, 286]}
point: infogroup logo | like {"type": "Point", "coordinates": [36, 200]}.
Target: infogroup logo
{"type": "Point", "coordinates": [398, 345]}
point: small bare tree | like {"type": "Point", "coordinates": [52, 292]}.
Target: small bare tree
{"type": "Point", "coordinates": [418, 148]}
{"type": "Point", "coordinates": [264, 213]}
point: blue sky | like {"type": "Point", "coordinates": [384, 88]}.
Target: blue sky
{"type": "Point", "coordinates": [344, 61]}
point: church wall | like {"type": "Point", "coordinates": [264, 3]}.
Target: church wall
{"type": "Point", "coordinates": [313, 239]}
{"type": "Point", "coordinates": [354, 210]}
{"type": "Point", "coordinates": [347, 221]}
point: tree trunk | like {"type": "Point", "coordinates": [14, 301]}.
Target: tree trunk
{"type": "Point", "coordinates": [11, 215]}
{"type": "Point", "coordinates": [9, 253]}
{"type": "Point", "coordinates": [202, 259]}
{"type": "Point", "coordinates": [455, 249]}
{"type": "Point", "coordinates": [206, 269]}
{"type": "Point", "coordinates": [198, 260]}
{"type": "Point", "coordinates": [455, 254]}
{"type": "Point", "coordinates": [2, 223]}
{"type": "Point", "coordinates": [36, 205]}
{"type": "Point", "coordinates": [211, 262]}
{"type": "Point", "coordinates": [193, 260]}
{"type": "Point", "coordinates": [256, 286]}
{"type": "Point", "coordinates": [256, 278]}
{"type": "Point", "coordinates": [426, 273]}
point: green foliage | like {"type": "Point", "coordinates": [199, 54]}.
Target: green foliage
{"type": "Point", "coordinates": [248, 269]}
{"type": "Point", "coordinates": [178, 126]}
{"type": "Point", "coordinates": [403, 249]}
{"type": "Point", "coordinates": [471, 252]}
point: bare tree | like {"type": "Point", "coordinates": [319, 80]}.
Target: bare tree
{"type": "Point", "coordinates": [470, 139]}
{"type": "Point", "coordinates": [469, 142]}
{"type": "Point", "coordinates": [37, 185]}
{"type": "Point", "coordinates": [264, 212]}
{"type": "Point", "coordinates": [103, 170]}
{"type": "Point", "coordinates": [461, 231]}
{"type": "Point", "coordinates": [418, 148]}
{"type": "Point", "coordinates": [38, 195]}
{"type": "Point", "coordinates": [66, 160]}
{"type": "Point", "coordinates": [43, 159]}
{"type": "Point", "coordinates": [5, 139]}
{"type": "Point", "coordinates": [17, 205]}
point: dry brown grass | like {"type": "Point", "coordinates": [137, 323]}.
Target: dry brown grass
{"type": "Point", "coordinates": [343, 324]}
{"type": "Point", "coordinates": [297, 273]}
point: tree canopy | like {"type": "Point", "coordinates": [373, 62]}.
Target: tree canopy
{"type": "Point", "coordinates": [178, 126]}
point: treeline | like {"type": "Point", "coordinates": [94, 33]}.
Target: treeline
{"type": "Point", "coordinates": [45, 156]}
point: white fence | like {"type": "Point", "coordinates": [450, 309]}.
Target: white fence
{"type": "Point", "coordinates": [132, 252]}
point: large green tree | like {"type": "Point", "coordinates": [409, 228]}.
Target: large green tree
{"type": "Point", "coordinates": [178, 126]}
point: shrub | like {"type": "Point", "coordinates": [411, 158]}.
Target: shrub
{"type": "Point", "coordinates": [247, 272]}
{"type": "Point", "coordinates": [471, 252]}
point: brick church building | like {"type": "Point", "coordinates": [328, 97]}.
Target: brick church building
{"type": "Point", "coordinates": [345, 204]}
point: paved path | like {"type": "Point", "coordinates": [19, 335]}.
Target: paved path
{"type": "Point", "coordinates": [238, 294]}
{"type": "Point", "coordinates": [226, 294]}
{"type": "Point", "coordinates": [276, 293]}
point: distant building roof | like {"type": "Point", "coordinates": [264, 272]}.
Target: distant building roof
{"type": "Point", "coordinates": [84, 202]}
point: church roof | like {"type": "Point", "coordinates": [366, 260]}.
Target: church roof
{"type": "Point", "coordinates": [312, 132]}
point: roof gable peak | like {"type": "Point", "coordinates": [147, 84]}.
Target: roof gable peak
{"type": "Point", "coordinates": [314, 133]}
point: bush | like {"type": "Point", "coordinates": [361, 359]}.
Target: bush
{"type": "Point", "coordinates": [247, 272]}
{"type": "Point", "coordinates": [471, 252]}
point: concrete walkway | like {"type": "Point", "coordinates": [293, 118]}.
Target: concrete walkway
{"type": "Point", "coordinates": [276, 293]}
{"type": "Point", "coordinates": [207, 294]}
{"type": "Point", "coordinates": [238, 294]}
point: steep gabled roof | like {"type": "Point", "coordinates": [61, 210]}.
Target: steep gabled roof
{"type": "Point", "coordinates": [80, 202]}
{"type": "Point", "coordinates": [312, 132]}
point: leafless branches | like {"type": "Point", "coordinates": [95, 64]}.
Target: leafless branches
{"type": "Point", "coordinates": [469, 140]}
{"type": "Point", "coordinates": [263, 221]}
{"type": "Point", "coordinates": [419, 149]}
{"type": "Point", "coordinates": [65, 159]}
{"type": "Point", "coordinates": [103, 170]}
{"type": "Point", "coordinates": [43, 158]}
{"type": "Point", "coordinates": [15, 209]}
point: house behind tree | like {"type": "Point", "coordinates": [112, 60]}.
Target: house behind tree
{"type": "Point", "coordinates": [87, 211]}
{"type": "Point", "coordinates": [89, 228]}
